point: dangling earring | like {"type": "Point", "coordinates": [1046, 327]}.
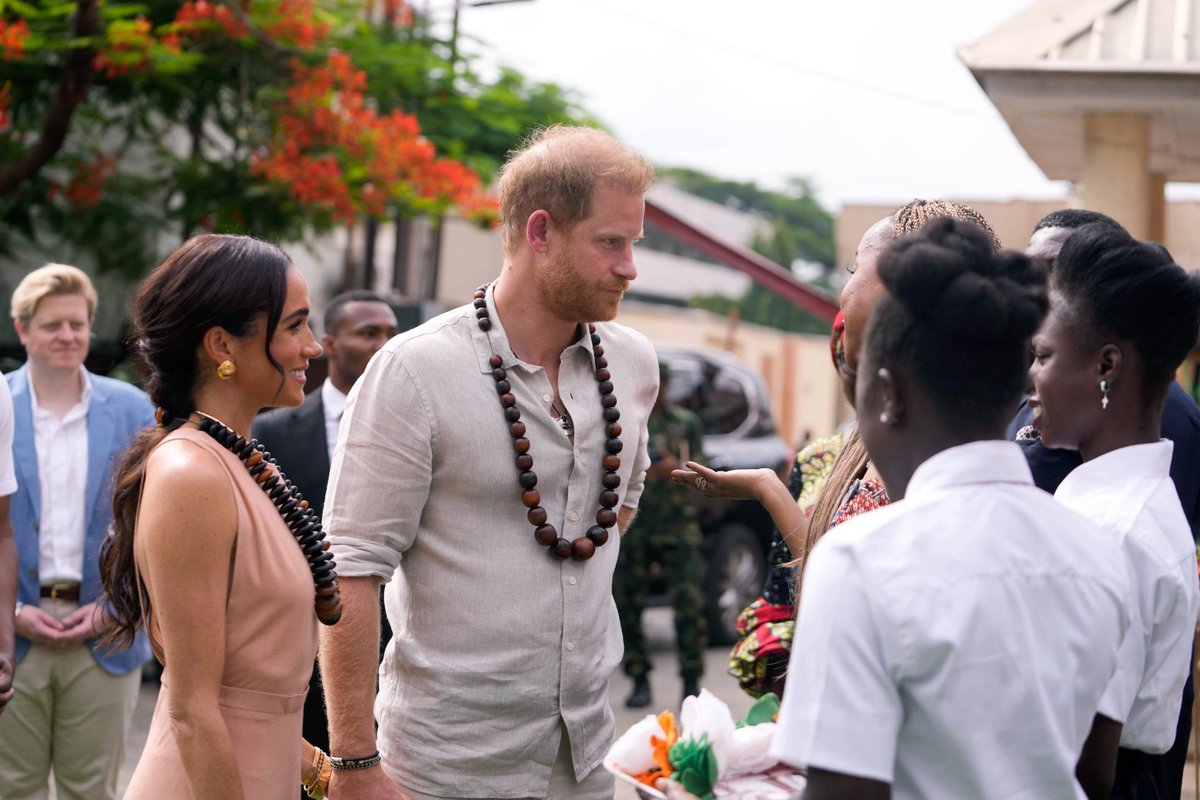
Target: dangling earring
{"type": "Point", "coordinates": [226, 369]}
{"type": "Point", "coordinates": [1104, 387]}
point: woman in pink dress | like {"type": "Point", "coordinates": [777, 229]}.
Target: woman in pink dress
{"type": "Point", "coordinates": [200, 552]}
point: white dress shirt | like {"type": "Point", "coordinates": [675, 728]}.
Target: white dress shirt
{"type": "Point", "coordinates": [8, 474]}
{"type": "Point", "coordinates": [497, 645]}
{"type": "Point", "coordinates": [333, 402]}
{"type": "Point", "coordinates": [956, 643]}
{"type": "Point", "coordinates": [1130, 495]}
{"type": "Point", "coordinates": [62, 456]}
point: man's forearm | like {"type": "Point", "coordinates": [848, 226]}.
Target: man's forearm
{"type": "Point", "coordinates": [349, 659]}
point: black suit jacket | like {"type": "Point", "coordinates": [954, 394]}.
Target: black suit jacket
{"type": "Point", "coordinates": [296, 438]}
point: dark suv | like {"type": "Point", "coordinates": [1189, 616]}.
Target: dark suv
{"type": "Point", "coordinates": [732, 403]}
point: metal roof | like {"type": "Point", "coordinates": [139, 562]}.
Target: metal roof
{"type": "Point", "coordinates": [1057, 61]}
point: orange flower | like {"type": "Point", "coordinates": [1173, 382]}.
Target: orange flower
{"type": "Point", "coordinates": [661, 751]}
{"type": "Point", "coordinates": [12, 39]}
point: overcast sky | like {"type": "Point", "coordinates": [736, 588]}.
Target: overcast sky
{"type": "Point", "coordinates": [866, 98]}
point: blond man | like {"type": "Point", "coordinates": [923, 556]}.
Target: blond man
{"type": "Point", "coordinates": [480, 463]}
{"type": "Point", "coordinates": [72, 701]}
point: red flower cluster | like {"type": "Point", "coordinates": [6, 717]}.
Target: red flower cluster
{"type": "Point", "coordinates": [397, 12]}
{"type": "Point", "coordinates": [199, 16]}
{"type": "Point", "coordinates": [12, 39]}
{"type": "Point", "coordinates": [333, 151]}
{"type": "Point", "coordinates": [87, 184]}
{"type": "Point", "coordinates": [126, 47]}
{"type": "Point", "coordinates": [291, 22]}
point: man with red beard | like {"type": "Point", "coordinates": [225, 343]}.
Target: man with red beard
{"type": "Point", "coordinates": [487, 463]}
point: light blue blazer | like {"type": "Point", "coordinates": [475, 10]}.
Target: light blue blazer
{"type": "Point", "coordinates": [116, 413]}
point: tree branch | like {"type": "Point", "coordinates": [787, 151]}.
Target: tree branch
{"type": "Point", "coordinates": [73, 87]}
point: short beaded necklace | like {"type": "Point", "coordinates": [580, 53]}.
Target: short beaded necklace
{"type": "Point", "coordinates": [583, 547]}
{"type": "Point", "coordinates": [292, 506]}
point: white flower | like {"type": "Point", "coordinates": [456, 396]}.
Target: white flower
{"type": "Point", "coordinates": [708, 715]}
{"type": "Point", "coordinates": [632, 753]}
{"type": "Point", "coordinates": [750, 750]}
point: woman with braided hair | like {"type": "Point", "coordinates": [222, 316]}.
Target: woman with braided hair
{"type": "Point", "coordinates": [203, 551]}
{"type": "Point", "coordinates": [835, 471]}
{"type": "Point", "coordinates": [956, 643]}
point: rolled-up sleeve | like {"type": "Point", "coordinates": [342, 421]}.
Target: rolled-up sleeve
{"type": "Point", "coordinates": [647, 388]}
{"type": "Point", "coordinates": [380, 477]}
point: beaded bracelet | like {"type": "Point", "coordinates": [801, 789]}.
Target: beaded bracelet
{"type": "Point", "coordinates": [345, 764]}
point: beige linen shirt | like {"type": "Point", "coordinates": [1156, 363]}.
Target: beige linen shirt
{"type": "Point", "coordinates": [494, 640]}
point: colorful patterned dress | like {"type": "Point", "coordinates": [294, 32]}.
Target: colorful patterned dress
{"type": "Point", "coordinates": [766, 626]}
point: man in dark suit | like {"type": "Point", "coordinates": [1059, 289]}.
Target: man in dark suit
{"type": "Point", "coordinates": [357, 324]}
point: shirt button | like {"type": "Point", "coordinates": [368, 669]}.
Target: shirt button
{"type": "Point", "coordinates": [573, 517]}
{"type": "Point", "coordinates": [571, 646]}
{"type": "Point", "coordinates": [547, 398]}
{"type": "Point", "coordinates": [571, 580]}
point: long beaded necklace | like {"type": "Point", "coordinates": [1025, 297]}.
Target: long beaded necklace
{"type": "Point", "coordinates": [294, 509]}
{"type": "Point", "coordinates": [583, 547]}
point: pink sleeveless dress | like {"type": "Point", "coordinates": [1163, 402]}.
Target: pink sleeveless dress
{"type": "Point", "coordinates": [270, 644]}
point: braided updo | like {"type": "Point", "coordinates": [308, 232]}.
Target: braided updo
{"type": "Point", "coordinates": [914, 216]}
{"type": "Point", "coordinates": [959, 317]}
{"type": "Point", "coordinates": [231, 282]}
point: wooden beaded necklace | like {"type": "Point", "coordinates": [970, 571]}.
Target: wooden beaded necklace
{"type": "Point", "coordinates": [583, 547]}
{"type": "Point", "coordinates": [294, 509]}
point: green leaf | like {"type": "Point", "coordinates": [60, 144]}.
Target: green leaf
{"type": "Point", "coordinates": [764, 710]}
{"type": "Point", "coordinates": [123, 10]}
{"type": "Point", "coordinates": [695, 766]}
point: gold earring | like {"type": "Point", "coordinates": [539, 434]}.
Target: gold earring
{"type": "Point", "coordinates": [226, 369]}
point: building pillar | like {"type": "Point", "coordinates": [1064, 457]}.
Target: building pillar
{"type": "Point", "coordinates": [1158, 207]}
{"type": "Point", "coordinates": [1116, 178]}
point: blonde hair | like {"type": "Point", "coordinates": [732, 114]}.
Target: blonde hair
{"type": "Point", "coordinates": [50, 281]}
{"type": "Point", "coordinates": [557, 170]}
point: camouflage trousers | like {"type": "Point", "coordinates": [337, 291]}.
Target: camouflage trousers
{"type": "Point", "coordinates": [678, 551]}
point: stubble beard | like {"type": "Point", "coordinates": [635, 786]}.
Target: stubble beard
{"type": "Point", "coordinates": [567, 297]}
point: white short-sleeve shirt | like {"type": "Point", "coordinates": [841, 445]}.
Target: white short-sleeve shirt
{"type": "Point", "coordinates": [1129, 494]}
{"type": "Point", "coordinates": [956, 643]}
{"type": "Point", "coordinates": [8, 475]}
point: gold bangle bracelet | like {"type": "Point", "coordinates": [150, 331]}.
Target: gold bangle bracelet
{"type": "Point", "coordinates": [316, 783]}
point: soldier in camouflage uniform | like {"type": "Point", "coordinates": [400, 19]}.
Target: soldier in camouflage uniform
{"type": "Point", "coordinates": [666, 531]}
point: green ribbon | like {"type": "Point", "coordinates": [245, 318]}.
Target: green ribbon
{"type": "Point", "coordinates": [695, 766]}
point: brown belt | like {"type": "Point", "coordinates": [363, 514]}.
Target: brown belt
{"type": "Point", "coordinates": [68, 592]}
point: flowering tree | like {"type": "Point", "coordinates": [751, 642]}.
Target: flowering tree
{"type": "Point", "coordinates": [124, 124]}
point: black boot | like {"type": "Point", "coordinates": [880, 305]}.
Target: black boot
{"type": "Point", "coordinates": [691, 687]}
{"type": "Point", "coordinates": [640, 696]}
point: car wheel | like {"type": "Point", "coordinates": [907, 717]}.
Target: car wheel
{"type": "Point", "coordinates": [737, 570]}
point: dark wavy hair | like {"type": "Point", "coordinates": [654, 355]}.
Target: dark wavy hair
{"type": "Point", "coordinates": [959, 316]}
{"type": "Point", "coordinates": [1116, 286]}
{"type": "Point", "coordinates": [210, 281]}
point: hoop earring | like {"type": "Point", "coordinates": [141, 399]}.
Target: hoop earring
{"type": "Point", "coordinates": [226, 369]}
{"type": "Point", "coordinates": [1104, 388]}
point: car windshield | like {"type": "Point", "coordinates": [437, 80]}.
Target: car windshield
{"type": "Point", "coordinates": [713, 392]}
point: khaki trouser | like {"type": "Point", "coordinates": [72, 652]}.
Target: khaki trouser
{"type": "Point", "coordinates": [69, 714]}
{"type": "Point", "coordinates": [599, 785]}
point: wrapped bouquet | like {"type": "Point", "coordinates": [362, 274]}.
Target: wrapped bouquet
{"type": "Point", "coordinates": [712, 756]}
